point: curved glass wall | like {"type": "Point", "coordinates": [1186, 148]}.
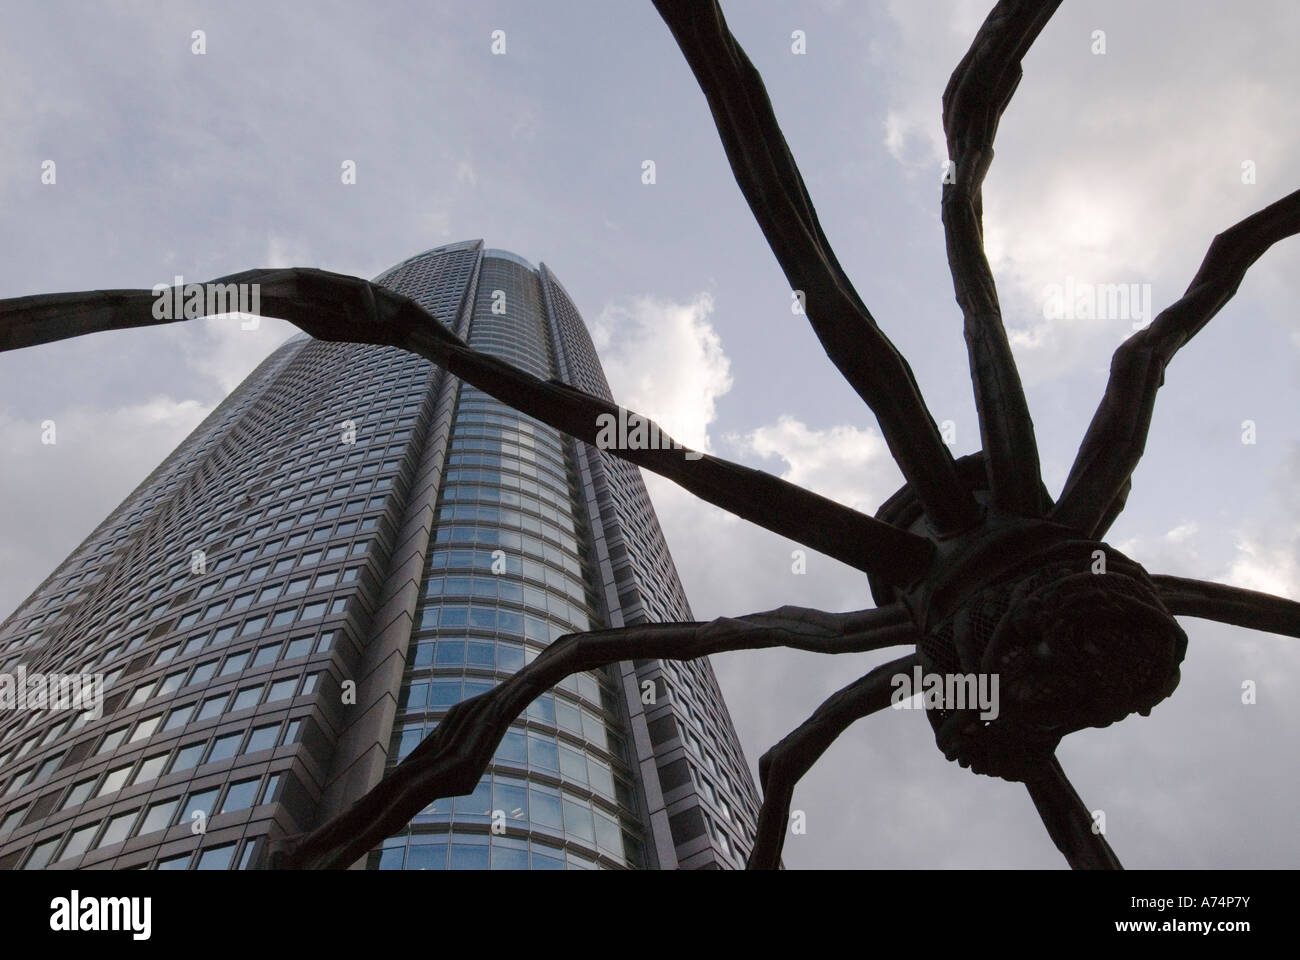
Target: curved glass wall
{"type": "Point", "coordinates": [507, 576]}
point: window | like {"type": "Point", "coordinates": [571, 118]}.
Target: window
{"type": "Point", "coordinates": [225, 747]}
{"type": "Point", "coordinates": [112, 740]}
{"type": "Point", "coordinates": [234, 663]}
{"type": "Point", "coordinates": [212, 707]}
{"type": "Point", "coordinates": [187, 756]}
{"type": "Point", "coordinates": [282, 689]}
{"type": "Point", "coordinates": [146, 727]}
{"type": "Point", "coordinates": [114, 780]}
{"type": "Point", "coordinates": [247, 697]}
{"type": "Point", "coordinates": [118, 829]}
{"type": "Point", "coordinates": [284, 617]}
{"type": "Point", "coordinates": [159, 816]}
{"type": "Point", "coordinates": [12, 819]}
{"type": "Point", "coordinates": [41, 854]}
{"type": "Point", "coordinates": [240, 796]}
{"type": "Point", "coordinates": [79, 842]}
{"type": "Point", "coordinates": [202, 673]}
{"type": "Point", "coordinates": [79, 793]}
{"type": "Point", "coordinates": [298, 647]}
{"type": "Point", "coordinates": [47, 768]}
{"type": "Point", "coordinates": [268, 793]}
{"type": "Point", "coordinates": [266, 654]}
{"type": "Point", "coordinates": [263, 738]}
{"type": "Point", "coordinates": [178, 717]}
{"type": "Point", "coordinates": [297, 586]}
{"type": "Point", "coordinates": [200, 802]}
{"type": "Point", "coordinates": [151, 768]}
{"type": "Point", "coordinates": [216, 858]}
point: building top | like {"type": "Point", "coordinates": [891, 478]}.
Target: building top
{"type": "Point", "coordinates": [507, 255]}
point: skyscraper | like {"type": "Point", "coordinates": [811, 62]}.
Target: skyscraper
{"type": "Point", "coordinates": [349, 544]}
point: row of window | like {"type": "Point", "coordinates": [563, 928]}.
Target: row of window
{"type": "Point", "coordinates": [502, 656]}
{"type": "Point", "coordinates": [198, 807]}
{"type": "Point", "coordinates": [510, 541]}
{"type": "Point", "coordinates": [513, 519]}
{"type": "Point", "coordinates": [501, 588]}
{"type": "Point", "coordinates": [540, 487]}
{"type": "Point", "coordinates": [503, 570]}
{"type": "Point", "coordinates": [466, 442]}
{"type": "Point", "coordinates": [195, 711]}
{"type": "Point", "coordinates": [494, 461]}
{"type": "Point", "coordinates": [262, 737]}
{"type": "Point", "coordinates": [539, 751]}
{"type": "Point", "coordinates": [274, 652]}
{"type": "Point", "coordinates": [558, 515]}
{"type": "Point", "coordinates": [271, 592]}
{"type": "Point", "coordinates": [437, 615]}
{"type": "Point", "coordinates": [470, 851]}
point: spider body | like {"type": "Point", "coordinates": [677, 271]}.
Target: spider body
{"type": "Point", "coordinates": [1067, 633]}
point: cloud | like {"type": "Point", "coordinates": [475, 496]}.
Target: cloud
{"type": "Point", "coordinates": [665, 360]}
{"type": "Point", "coordinates": [1176, 552]}
{"type": "Point", "coordinates": [1268, 551]}
{"type": "Point", "coordinates": [847, 464]}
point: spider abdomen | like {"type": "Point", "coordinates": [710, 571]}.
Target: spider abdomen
{"type": "Point", "coordinates": [1059, 648]}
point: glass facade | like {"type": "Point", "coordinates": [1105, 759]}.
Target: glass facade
{"type": "Point", "coordinates": [349, 545]}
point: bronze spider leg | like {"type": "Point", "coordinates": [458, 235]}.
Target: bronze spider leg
{"type": "Point", "coordinates": [974, 101]}
{"type": "Point", "coordinates": [770, 180]}
{"type": "Point", "coordinates": [785, 763]}
{"type": "Point", "coordinates": [1069, 822]}
{"type": "Point", "coordinates": [1234, 605]}
{"type": "Point", "coordinates": [1117, 435]}
{"type": "Point", "coordinates": [450, 761]}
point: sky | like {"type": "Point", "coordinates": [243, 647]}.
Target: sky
{"type": "Point", "coordinates": [1114, 167]}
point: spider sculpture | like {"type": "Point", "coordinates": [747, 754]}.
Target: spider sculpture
{"type": "Point", "coordinates": [971, 563]}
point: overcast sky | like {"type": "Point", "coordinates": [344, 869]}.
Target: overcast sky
{"type": "Point", "coordinates": [1114, 167]}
